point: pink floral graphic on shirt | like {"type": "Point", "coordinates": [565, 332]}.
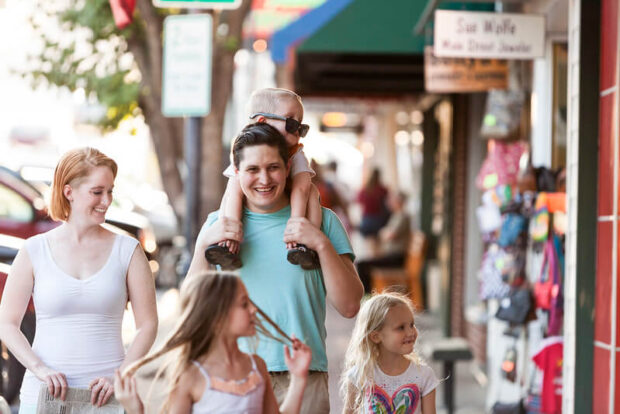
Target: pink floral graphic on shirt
{"type": "Point", "coordinates": [405, 400]}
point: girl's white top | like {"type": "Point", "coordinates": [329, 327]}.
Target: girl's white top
{"type": "Point", "coordinates": [222, 402]}
{"type": "Point", "coordinates": [78, 331]}
{"type": "Point", "coordinates": [400, 392]}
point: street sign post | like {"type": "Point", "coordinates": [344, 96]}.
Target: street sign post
{"type": "Point", "coordinates": [197, 4]}
{"type": "Point", "coordinates": [186, 88]}
{"type": "Point", "coordinates": [186, 92]}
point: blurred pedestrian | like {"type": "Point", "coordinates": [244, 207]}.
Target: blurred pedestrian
{"type": "Point", "coordinates": [338, 191]}
{"type": "Point", "coordinates": [382, 372]}
{"type": "Point", "coordinates": [81, 277]}
{"type": "Point", "coordinates": [283, 110]}
{"type": "Point", "coordinates": [211, 374]}
{"type": "Point", "coordinates": [394, 238]}
{"type": "Point", "coordinates": [375, 214]}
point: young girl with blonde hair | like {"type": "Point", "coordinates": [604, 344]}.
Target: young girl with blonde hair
{"type": "Point", "coordinates": [382, 373]}
{"type": "Point", "coordinates": [212, 375]}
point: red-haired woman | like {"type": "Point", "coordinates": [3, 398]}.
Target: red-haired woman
{"type": "Point", "coordinates": [81, 277]}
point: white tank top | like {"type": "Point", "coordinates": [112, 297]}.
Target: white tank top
{"type": "Point", "coordinates": [78, 328]}
{"type": "Point", "coordinates": [222, 402]}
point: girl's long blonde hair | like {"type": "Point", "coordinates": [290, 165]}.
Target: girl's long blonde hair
{"type": "Point", "coordinates": [205, 303]}
{"type": "Point", "coordinates": [362, 354]}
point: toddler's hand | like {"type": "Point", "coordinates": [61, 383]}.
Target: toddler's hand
{"type": "Point", "coordinates": [299, 230]}
{"type": "Point", "coordinates": [224, 228]}
{"type": "Point", "coordinates": [299, 362]}
{"type": "Point", "coordinates": [126, 393]}
{"type": "Point", "coordinates": [233, 246]}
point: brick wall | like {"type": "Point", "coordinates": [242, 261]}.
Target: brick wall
{"type": "Point", "coordinates": [606, 383]}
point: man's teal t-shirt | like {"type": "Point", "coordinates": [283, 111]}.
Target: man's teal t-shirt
{"type": "Point", "coordinates": [292, 297]}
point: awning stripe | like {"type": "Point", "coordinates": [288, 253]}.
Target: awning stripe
{"type": "Point", "coordinates": [304, 27]}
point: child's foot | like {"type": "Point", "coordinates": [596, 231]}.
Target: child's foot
{"type": "Point", "coordinates": [301, 255]}
{"type": "Point", "coordinates": [220, 255]}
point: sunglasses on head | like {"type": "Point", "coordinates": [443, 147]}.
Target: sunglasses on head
{"type": "Point", "coordinates": [292, 125]}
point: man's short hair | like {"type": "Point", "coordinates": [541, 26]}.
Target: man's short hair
{"type": "Point", "coordinates": [259, 133]}
{"type": "Point", "coordinates": [267, 100]}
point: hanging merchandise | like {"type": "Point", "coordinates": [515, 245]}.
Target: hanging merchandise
{"type": "Point", "coordinates": [512, 226]}
{"type": "Point", "coordinates": [501, 165]}
{"type": "Point", "coordinates": [556, 311]}
{"type": "Point", "coordinates": [508, 408]}
{"type": "Point", "coordinates": [509, 364]}
{"type": "Point", "coordinates": [513, 266]}
{"type": "Point", "coordinates": [556, 206]}
{"type": "Point", "coordinates": [555, 202]}
{"type": "Point", "coordinates": [528, 207]}
{"type": "Point", "coordinates": [549, 360]}
{"type": "Point", "coordinates": [489, 218]}
{"type": "Point", "coordinates": [492, 284]}
{"type": "Point", "coordinates": [533, 404]}
{"type": "Point", "coordinates": [533, 400]}
{"type": "Point", "coordinates": [500, 195]}
{"type": "Point", "coordinates": [515, 307]}
{"type": "Point", "coordinates": [544, 286]}
{"type": "Point", "coordinates": [502, 114]}
{"type": "Point", "coordinates": [545, 180]}
{"type": "Point", "coordinates": [539, 229]}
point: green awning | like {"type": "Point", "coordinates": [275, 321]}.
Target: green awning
{"type": "Point", "coordinates": [377, 27]}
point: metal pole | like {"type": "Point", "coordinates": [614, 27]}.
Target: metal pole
{"type": "Point", "coordinates": [192, 150]}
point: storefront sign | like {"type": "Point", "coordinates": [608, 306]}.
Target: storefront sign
{"type": "Point", "coordinates": [447, 75]}
{"type": "Point", "coordinates": [488, 35]}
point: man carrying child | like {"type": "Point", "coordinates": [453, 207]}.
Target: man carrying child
{"type": "Point", "coordinates": [292, 296]}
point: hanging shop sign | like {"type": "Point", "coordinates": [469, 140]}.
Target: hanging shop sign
{"type": "Point", "coordinates": [448, 75]}
{"type": "Point", "coordinates": [186, 86]}
{"type": "Point", "coordinates": [488, 35]}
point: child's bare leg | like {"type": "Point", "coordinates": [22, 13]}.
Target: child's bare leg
{"type": "Point", "coordinates": [304, 203]}
{"type": "Point", "coordinates": [300, 194]}
{"type": "Point", "coordinates": [225, 253]}
{"type": "Point", "coordinates": [232, 206]}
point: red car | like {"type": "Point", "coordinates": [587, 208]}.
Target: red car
{"type": "Point", "coordinates": [22, 208]}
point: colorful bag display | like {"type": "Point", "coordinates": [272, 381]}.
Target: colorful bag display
{"type": "Point", "coordinates": [539, 229]}
{"type": "Point", "coordinates": [544, 286]}
{"type": "Point", "coordinates": [491, 282]}
{"type": "Point", "coordinates": [512, 226]}
{"type": "Point", "coordinates": [501, 165]}
{"type": "Point", "coordinates": [515, 307]}
{"type": "Point", "coordinates": [556, 311]}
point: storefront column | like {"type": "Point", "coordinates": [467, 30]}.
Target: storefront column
{"type": "Point", "coordinates": [581, 234]}
{"type": "Point", "coordinates": [459, 214]}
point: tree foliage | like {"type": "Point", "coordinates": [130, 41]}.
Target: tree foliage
{"type": "Point", "coordinates": [81, 48]}
{"type": "Point", "coordinates": [88, 53]}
